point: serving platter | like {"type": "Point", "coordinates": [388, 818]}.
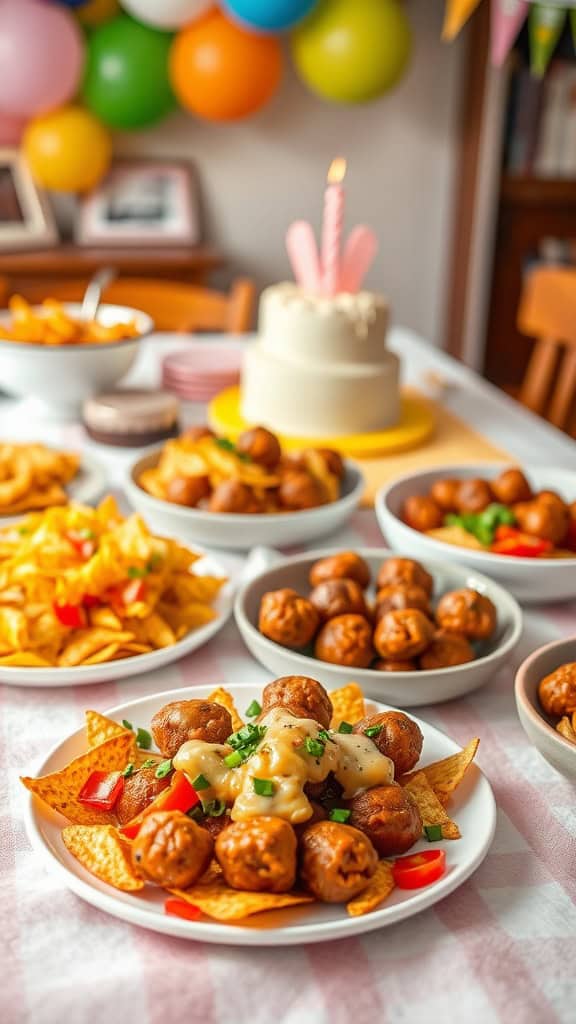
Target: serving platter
{"type": "Point", "coordinates": [473, 807]}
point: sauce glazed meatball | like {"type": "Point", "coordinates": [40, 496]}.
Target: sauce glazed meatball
{"type": "Point", "coordinates": [473, 495]}
{"type": "Point", "coordinates": [261, 446]}
{"type": "Point", "coordinates": [140, 789]}
{"type": "Point", "coordinates": [444, 493]}
{"type": "Point", "coordinates": [233, 497]}
{"type": "Point", "coordinates": [258, 855]}
{"type": "Point", "coordinates": [184, 720]}
{"type": "Point", "coordinates": [334, 461]}
{"type": "Point", "coordinates": [557, 691]}
{"type": "Point", "coordinates": [299, 490]}
{"type": "Point", "coordinates": [446, 651]}
{"type": "Point", "coordinates": [546, 519]}
{"type": "Point", "coordinates": [171, 850]}
{"type": "Point", "coordinates": [404, 572]}
{"type": "Point", "coordinates": [399, 596]}
{"type": "Point", "coordinates": [399, 738]}
{"type": "Point", "coordinates": [302, 696]}
{"type": "Point", "coordinates": [346, 565]}
{"type": "Point", "coordinates": [422, 513]}
{"type": "Point", "coordinates": [389, 816]}
{"type": "Point", "coordinates": [288, 619]}
{"type": "Point", "coordinates": [339, 597]}
{"type": "Point", "coordinates": [401, 665]}
{"type": "Point", "coordinates": [346, 640]}
{"type": "Point", "coordinates": [336, 861]}
{"type": "Point", "coordinates": [403, 634]}
{"type": "Point", "coordinates": [187, 490]}
{"type": "Point", "coordinates": [511, 486]}
{"type": "Point", "coordinates": [467, 612]}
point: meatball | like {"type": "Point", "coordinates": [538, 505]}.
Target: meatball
{"type": "Point", "coordinates": [214, 826]}
{"type": "Point", "coordinates": [258, 855]}
{"type": "Point", "coordinates": [339, 597]}
{"type": "Point", "coordinates": [299, 490]}
{"type": "Point", "coordinates": [345, 640]}
{"type": "Point", "coordinates": [422, 513]}
{"type": "Point", "coordinates": [447, 650]}
{"type": "Point", "coordinates": [399, 738]}
{"type": "Point", "coordinates": [171, 850]}
{"type": "Point", "coordinates": [187, 490]}
{"type": "Point", "coordinates": [198, 432]}
{"type": "Point", "coordinates": [557, 691]}
{"type": "Point", "coordinates": [444, 493]}
{"type": "Point", "coordinates": [473, 495]}
{"type": "Point", "coordinates": [287, 618]}
{"type": "Point", "coordinates": [346, 565]}
{"type": "Point", "coordinates": [546, 519]}
{"type": "Point", "coordinates": [510, 487]}
{"type": "Point", "coordinates": [389, 816]}
{"type": "Point", "coordinates": [400, 596]}
{"type": "Point", "coordinates": [261, 446]}
{"type": "Point", "coordinates": [184, 720]}
{"type": "Point", "coordinates": [336, 861]}
{"type": "Point", "coordinates": [232, 496]}
{"type": "Point", "coordinates": [401, 665]}
{"type": "Point", "coordinates": [403, 634]}
{"type": "Point", "coordinates": [550, 498]}
{"type": "Point", "coordinates": [334, 461]}
{"type": "Point", "coordinates": [319, 813]}
{"type": "Point", "coordinates": [140, 789]}
{"type": "Point", "coordinates": [302, 696]}
{"type": "Point", "coordinates": [404, 572]}
{"type": "Point", "coordinates": [467, 612]}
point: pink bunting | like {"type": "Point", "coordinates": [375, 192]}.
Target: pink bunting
{"type": "Point", "coordinates": [507, 18]}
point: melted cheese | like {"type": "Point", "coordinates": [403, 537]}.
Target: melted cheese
{"type": "Point", "coordinates": [360, 764]}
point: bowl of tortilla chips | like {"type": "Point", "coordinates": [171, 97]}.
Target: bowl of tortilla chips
{"type": "Point", "coordinates": [34, 477]}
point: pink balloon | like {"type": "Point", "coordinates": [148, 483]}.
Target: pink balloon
{"type": "Point", "coordinates": [11, 129]}
{"type": "Point", "coordinates": [41, 57]}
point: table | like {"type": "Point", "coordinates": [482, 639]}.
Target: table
{"type": "Point", "coordinates": [501, 948]}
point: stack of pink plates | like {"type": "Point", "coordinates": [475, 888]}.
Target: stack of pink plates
{"type": "Point", "coordinates": [201, 371]}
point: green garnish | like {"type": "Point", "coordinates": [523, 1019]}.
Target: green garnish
{"type": "Point", "coordinates": [314, 747]}
{"type": "Point", "coordinates": [149, 763]}
{"type": "Point", "coordinates": [234, 759]}
{"type": "Point", "coordinates": [196, 813]}
{"type": "Point", "coordinates": [143, 739]}
{"type": "Point", "coordinates": [483, 525]}
{"type": "Point", "coordinates": [325, 736]}
{"type": "Point", "coordinates": [228, 446]}
{"type": "Point", "coordinates": [339, 814]}
{"type": "Point", "coordinates": [135, 572]}
{"type": "Point", "coordinates": [254, 710]}
{"type": "Point", "coordinates": [201, 782]}
{"type": "Point", "coordinates": [345, 727]}
{"type": "Point", "coordinates": [87, 534]}
{"type": "Point", "coordinates": [154, 562]}
{"type": "Point", "coordinates": [372, 731]}
{"type": "Point", "coordinates": [23, 531]}
{"type": "Point", "coordinates": [129, 770]}
{"type": "Point", "coordinates": [433, 833]}
{"type": "Point", "coordinates": [214, 809]}
{"type": "Point", "coordinates": [127, 725]}
{"type": "Point", "coordinates": [164, 769]}
{"type": "Point", "coordinates": [264, 787]}
{"type": "Point", "coordinates": [246, 740]}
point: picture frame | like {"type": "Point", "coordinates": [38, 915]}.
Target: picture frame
{"type": "Point", "coordinates": [26, 218]}
{"type": "Point", "coordinates": [141, 203]}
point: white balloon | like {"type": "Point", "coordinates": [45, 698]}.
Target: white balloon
{"type": "Point", "coordinates": [166, 14]}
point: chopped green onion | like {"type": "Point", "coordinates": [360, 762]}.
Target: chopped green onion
{"type": "Point", "coordinates": [264, 787]}
{"type": "Point", "coordinates": [129, 770]}
{"type": "Point", "coordinates": [149, 763]}
{"type": "Point", "coordinates": [339, 814]}
{"type": "Point", "coordinates": [314, 747]}
{"type": "Point", "coordinates": [201, 782]}
{"type": "Point", "coordinates": [154, 562]}
{"type": "Point", "coordinates": [134, 572]}
{"type": "Point", "coordinates": [372, 731]}
{"type": "Point", "coordinates": [127, 725]}
{"type": "Point", "coordinates": [214, 809]}
{"type": "Point", "coordinates": [87, 534]}
{"type": "Point", "coordinates": [345, 727]}
{"type": "Point", "coordinates": [247, 738]}
{"type": "Point", "coordinates": [196, 813]}
{"type": "Point", "coordinates": [254, 710]}
{"type": "Point", "coordinates": [234, 759]}
{"type": "Point", "coordinates": [433, 833]}
{"type": "Point", "coordinates": [325, 736]}
{"type": "Point", "coordinates": [143, 739]}
{"type": "Point", "coordinates": [23, 531]}
{"type": "Point", "coordinates": [164, 769]}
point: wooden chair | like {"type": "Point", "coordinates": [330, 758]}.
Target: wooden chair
{"type": "Point", "coordinates": [173, 305]}
{"type": "Point", "coordinates": [548, 313]}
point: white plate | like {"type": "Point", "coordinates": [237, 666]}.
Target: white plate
{"type": "Point", "coordinates": [87, 487]}
{"type": "Point", "coordinates": [83, 675]}
{"type": "Point", "coordinates": [531, 580]}
{"type": "Point", "coordinates": [473, 808]}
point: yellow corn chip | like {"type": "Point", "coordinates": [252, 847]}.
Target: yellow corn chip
{"type": "Point", "coordinates": [216, 900]}
{"type": "Point", "coordinates": [25, 659]}
{"type": "Point", "coordinates": [100, 850]}
{"type": "Point", "coordinates": [104, 654]}
{"type": "Point", "coordinates": [60, 789]}
{"type": "Point", "coordinates": [431, 810]}
{"type": "Point", "coordinates": [566, 729]}
{"type": "Point", "coordinates": [348, 705]}
{"type": "Point", "coordinates": [226, 700]}
{"type": "Point", "coordinates": [99, 728]}
{"type": "Point", "coordinates": [87, 642]}
{"type": "Point", "coordinates": [446, 775]}
{"type": "Point", "coordinates": [380, 886]}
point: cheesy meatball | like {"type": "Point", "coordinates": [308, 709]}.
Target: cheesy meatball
{"type": "Point", "coordinates": [422, 513]}
{"type": "Point", "coordinates": [233, 497]}
{"type": "Point", "coordinates": [400, 665]}
{"type": "Point", "coordinates": [403, 634]}
{"type": "Point", "coordinates": [468, 612]}
{"type": "Point", "coordinates": [299, 490]}
{"type": "Point", "coordinates": [339, 597]}
{"type": "Point", "coordinates": [389, 817]}
{"type": "Point", "coordinates": [396, 735]}
{"type": "Point", "coordinates": [557, 691]}
{"type": "Point", "coordinates": [336, 861]}
{"type": "Point", "coordinates": [184, 720]}
{"type": "Point", "coordinates": [302, 696]}
{"type": "Point", "coordinates": [258, 855]}
{"type": "Point", "coordinates": [404, 572]}
{"type": "Point", "coordinates": [171, 850]}
{"type": "Point", "coordinates": [288, 619]}
{"type": "Point", "coordinates": [346, 640]}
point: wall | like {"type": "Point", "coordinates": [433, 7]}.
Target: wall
{"type": "Point", "coordinates": [258, 175]}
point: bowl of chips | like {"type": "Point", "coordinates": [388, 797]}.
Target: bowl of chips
{"type": "Point", "coordinates": [553, 735]}
{"type": "Point", "coordinates": [35, 477]}
{"type": "Point", "coordinates": [48, 353]}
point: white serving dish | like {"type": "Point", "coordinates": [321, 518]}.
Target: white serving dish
{"type": "Point", "coordinates": [86, 488]}
{"type": "Point", "coordinates": [558, 751]}
{"type": "Point", "coordinates": [531, 580]}
{"type": "Point", "coordinates": [242, 532]}
{"type": "Point", "coordinates": [403, 689]}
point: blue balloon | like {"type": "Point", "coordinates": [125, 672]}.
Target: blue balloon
{"type": "Point", "coordinates": [268, 15]}
{"type": "Point", "coordinates": [70, 3]}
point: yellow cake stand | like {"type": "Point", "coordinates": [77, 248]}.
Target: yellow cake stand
{"type": "Point", "coordinates": [417, 422]}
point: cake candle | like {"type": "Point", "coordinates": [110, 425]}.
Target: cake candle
{"type": "Point", "coordinates": [334, 201]}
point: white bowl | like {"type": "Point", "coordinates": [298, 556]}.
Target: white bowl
{"type": "Point", "coordinates": [404, 689]}
{"type": "Point", "coordinates": [557, 750]}
{"type": "Point", "coordinates": [85, 488]}
{"type": "Point", "coordinates": [531, 580]}
{"type": "Point", "coordinates": [60, 377]}
{"type": "Point", "coordinates": [242, 532]}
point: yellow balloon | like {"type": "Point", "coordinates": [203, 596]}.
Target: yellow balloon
{"type": "Point", "coordinates": [96, 12]}
{"type": "Point", "coordinates": [68, 150]}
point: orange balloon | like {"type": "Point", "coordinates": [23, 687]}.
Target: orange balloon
{"type": "Point", "coordinates": [222, 73]}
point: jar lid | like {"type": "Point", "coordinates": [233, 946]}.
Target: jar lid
{"type": "Point", "coordinates": [131, 416]}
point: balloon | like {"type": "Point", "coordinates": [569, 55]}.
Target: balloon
{"type": "Point", "coordinates": [95, 12]}
{"type": "Point", "coordinates": [71, 3]}
{"type": "Point", "coordinates": [11, 129]}
{"type": "Point", "coordinates": [351, 51]}
{"type": "Point", "coordinates": [167, 13]}
{"type": "Point", "coordinates": [268, 15]}
{"type": "Point", "coordinates": [67, 150]}
{"type": "Point", "coordinates": [126, 83]}
{"type": "Point", "coordinates": [222, 73]}
{"type": "Point", "coordinates": [41, 57]}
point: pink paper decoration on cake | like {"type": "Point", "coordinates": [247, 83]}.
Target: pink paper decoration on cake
{"type": "Point", "coordinates": [304, 256]}
{"type": "Point", "coordinates": [359, 255]}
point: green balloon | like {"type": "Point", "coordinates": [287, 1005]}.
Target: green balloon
{"type": "Point", "coordinates": [351, 51]}
{"type": "Point", "coordinates": [126, 82]}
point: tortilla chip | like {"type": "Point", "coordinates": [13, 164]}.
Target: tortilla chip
{"type": "Point", "coordinates": [226, 700]}
{"type": "Point", "coordinates": [25, 659]}
{"type": "Point", "coordinates": [445, 776]}
{"type": "Point", "coordinates": [380, 886]}
{"type": "Point", "coordinates": [85, 643]}
{"type": "Point", "coordinates": [566, 729]}
{"type": "Point", "coordinates": [431, 810]}
{"type": "Point", "coordinates": [99, 728]}
{"type": "Point", "coordinates": [216, 900]}
{"type": "Point", "coordinates": [60, 789]}
{"type": "Point", "coordinates": [347, 704]}
{"type": "Point", "coordinates": [104, 654]}
{"type": "Point", "coordinates": [100, 850]}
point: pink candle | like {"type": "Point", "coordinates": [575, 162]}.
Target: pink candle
{"type": "Point", "coordinates": [332, 227]}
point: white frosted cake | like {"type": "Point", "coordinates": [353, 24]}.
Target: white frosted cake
{"type": "Point", "coordinates": [320, 366]}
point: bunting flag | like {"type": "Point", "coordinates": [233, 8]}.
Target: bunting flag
{"type": "Point", "coordinates": [507, 18]}
{"type": "Point", "coordinates": [573, 26]}
{"type": "Point", "coordinates": [456, 16]}
{"type": "Point", "coordinates": [545, 26]}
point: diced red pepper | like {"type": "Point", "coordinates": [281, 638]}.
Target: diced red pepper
{"type": "Point", "coordinates": [521, 545]}
{"type": "Point", "coordinates": [83, 545]}
{"type": "Point", "coordinates": [419, 869]}
{"type": "Point", "coordinates": [504, 532]}
{"type": "Point", "coordinates": [127, 593]}
{"type": "Point", "coordinates": [102, 790]}
{"type": "Point", "coordinates": [179, 796]}
{"type": "Point", "coordinates": [71, 615]}
{"type": "Point", "coordinates": [179, 908]}
{"type": "Point", "coordinates": [91, 601]}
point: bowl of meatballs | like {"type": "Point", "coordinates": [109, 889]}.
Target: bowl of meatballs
{"type": "Point", "coordinates": [518, 525]}
{"type": "Point", "coordinates": [205, 488]}
{"type": "Point", "coordinates": [545, 692]}
{"type": "Point", "coordinates": [409, 633]}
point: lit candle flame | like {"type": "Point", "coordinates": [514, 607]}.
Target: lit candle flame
{"type": "Point", "coordinates": [337, 171]}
